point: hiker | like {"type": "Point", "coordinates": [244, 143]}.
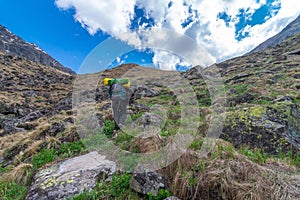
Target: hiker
{"type": "Point", "coordinates": [119, 102]}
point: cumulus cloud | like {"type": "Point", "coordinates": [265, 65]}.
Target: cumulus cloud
{"type": "Point", "coordinates": [112, 16]}
{"type": "Point", "coordinates": [215, 37]}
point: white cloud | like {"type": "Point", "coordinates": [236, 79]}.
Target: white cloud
{"type": "Point", "coordinates": [209, 32]}
{"type": "Point", "coordinates": [167, 61]}
{"type": "Point", "coordinates": [118, 59]}
{"type": "Point", "coordinates": [112, 16]}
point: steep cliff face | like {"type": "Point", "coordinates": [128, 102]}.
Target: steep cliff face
{"type": "Point", "coordinates": [10, 44]}
{"type": "Point", "coordinates": [289, 30]}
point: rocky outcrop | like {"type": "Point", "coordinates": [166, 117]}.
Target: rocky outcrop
{"type": "Point", "coordinates": [70, 177]}
{"type": "Point", "coordinates": [30, 91]}
{"type": "Point", "coordinates": [143, 91]}
{"type": "Point", "coordinates": [274, 128]}
{"type": "Point", "coordinates": [11, 44]}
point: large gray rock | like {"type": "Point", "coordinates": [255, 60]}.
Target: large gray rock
{"type": "Point", "coordinates": [145, 181]}
{"type": "Point", "coordinates": [70, 177]}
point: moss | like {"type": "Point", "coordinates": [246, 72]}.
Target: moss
{"type": "Point", "coordinates": [257, 111]}
{"type": "Point", "coordinates": [262, 126]}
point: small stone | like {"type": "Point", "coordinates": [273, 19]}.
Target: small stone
{"type": "Point", "coordinates": [145, 181]}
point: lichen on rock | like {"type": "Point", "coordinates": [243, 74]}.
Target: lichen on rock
{"type": "Point", "coordinates": [70, 177]}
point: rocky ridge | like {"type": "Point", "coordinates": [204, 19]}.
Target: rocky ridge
{"type": "Point", "coordinates": [12, 45]}
{"type": "Point", "coordinates": [289, 30]}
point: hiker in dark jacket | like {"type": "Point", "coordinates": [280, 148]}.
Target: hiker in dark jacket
{"type": "Point", "coordinates": [119, 103]}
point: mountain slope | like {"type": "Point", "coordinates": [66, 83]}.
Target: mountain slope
{"type": "Point", "coordinates": [10, 44]}
{"type": "Point", "coordinates": [257, 156]}
{"type": "Point", "coordinates": [289, 30]}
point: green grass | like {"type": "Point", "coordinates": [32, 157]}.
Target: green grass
{"type": "Point", "coordinates": [12, 191]}
{"type": "Point", "coordinates": [109, 127]}
{"type": "Point", "coordinates": [4, 169]}
{"type": "Point", "coordinates": [162, 194]}
{"type": "Point", "coordinates": [255, 155]}
{"type": "Point", "coordinates": [136, 116]}
{"type": "Point", "coordinates": [70, 149]}
{"type": "Point", "coordinates": [123, 140]}
{"type": "Point", "coordinates": [118, 188]}
{"type": "Point", "coordinates": [241, 88]}
{"type": "Point", "coordinates": [197, 144]}
{"type": "Point", "coordinates": [66, 150]}
{"type": "Point", "coordinates": [43, 157]}
{"type": "Point", "coordinates": [290, 157]}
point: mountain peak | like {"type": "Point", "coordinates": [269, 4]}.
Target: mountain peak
{"type": "Point", "coordinates": [11, 44]}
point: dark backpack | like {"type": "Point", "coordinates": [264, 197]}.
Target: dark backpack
{"type": "Point", "coordinates": [117, 92]}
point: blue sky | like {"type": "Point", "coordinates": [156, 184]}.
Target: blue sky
{"type": "Point", "coordinates": [69, 30]}
{"type": "Point", "coordinates": [55, 31]}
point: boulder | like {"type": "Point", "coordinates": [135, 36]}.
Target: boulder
{"type": "Point", "coordinates": [145, 181]}
{"type": "Point", "coordinates": [274, 128]}
{"type": "Point", "coordinates": [70, 177]}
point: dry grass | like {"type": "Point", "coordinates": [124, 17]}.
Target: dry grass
{"type": "Point", "coordinates": [33, 148]}
{"type": "Point", "coordinates": [231, 176]}
{"type": "Point", "coordinates": [21, 174]}
{"type": "Point", "coordinates": [10, 140]}
{"type": "Point", "coordinates": [52, 142]}
{"type": "Point", "coordinates": [148, 142]}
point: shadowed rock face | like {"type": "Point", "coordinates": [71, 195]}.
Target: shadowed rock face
{"type": "Point", "coordinates": [11, 44]}
{"type": "Point", "coordinates": [274, 129]}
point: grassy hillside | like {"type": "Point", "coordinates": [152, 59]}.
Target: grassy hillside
{"type": "Point", "coordinates": [256, 157]}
